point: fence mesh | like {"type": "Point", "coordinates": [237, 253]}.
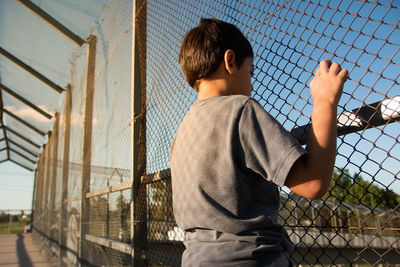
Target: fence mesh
{"type": "Point", "coordinates": [94, 204]}
{"type": "Point", "coordinates": [354, 223]}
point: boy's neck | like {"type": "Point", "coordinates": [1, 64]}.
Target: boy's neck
{"type": "Point", "coordinates": [211, 88]}
{"type": "Point", "coordinates": [228, 79]}
{"type": "Point", "coordinates": [216, 84]}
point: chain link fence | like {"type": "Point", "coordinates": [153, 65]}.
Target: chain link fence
{"type": "Point", "coordinates": [103, 188]}
{"type": "Point", "coordinates": [357, 220]}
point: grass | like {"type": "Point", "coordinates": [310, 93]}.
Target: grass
{"type": "Point", "coordinates": [14, 227]}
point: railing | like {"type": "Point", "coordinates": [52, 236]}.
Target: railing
{"type": "Point", "coordinates": [102, 190]}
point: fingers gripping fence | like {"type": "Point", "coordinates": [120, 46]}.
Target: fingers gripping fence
{"type": "Point", "coordinates": [103, 189]}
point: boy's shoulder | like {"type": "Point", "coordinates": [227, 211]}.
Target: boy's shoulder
{"type": "Point", "coordinates": [221, 102]}
{"type": "Point", "coordinates": [225, 108]}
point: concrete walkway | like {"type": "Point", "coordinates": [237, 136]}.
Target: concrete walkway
{"type": "Point", "coordinates": [20, 250]}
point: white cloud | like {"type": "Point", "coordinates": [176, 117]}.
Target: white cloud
{"type": "Point", "coordinates": [391, 108]}
{"type": "Point", "coordinates": [29, 114]}
{"type": "Point", "coordinates": [33, 117]}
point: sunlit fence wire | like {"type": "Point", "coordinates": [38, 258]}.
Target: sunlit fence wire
{"type": "Point", "coordinates": [99, 203]}
{"type": "Point", "coordinates": [358, 219]}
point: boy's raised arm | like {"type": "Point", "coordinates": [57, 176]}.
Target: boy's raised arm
{"type": "Point", "coordinates": [310, 175]}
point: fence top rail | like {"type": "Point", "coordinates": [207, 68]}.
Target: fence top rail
{"type": "Point", "coordinates": [110, 189]}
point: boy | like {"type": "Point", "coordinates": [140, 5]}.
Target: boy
{"type": "Point", "coordinates": [229, 154]}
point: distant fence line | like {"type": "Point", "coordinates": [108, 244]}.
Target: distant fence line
{"type": "Point", "coordinates": [15, 221]}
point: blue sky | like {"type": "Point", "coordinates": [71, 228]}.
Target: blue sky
{"type": "Point", "coordinates": [287, 53]}
{"type": "Point", "coordinates": [16, 186]}
{"type": "Point", "coordinates": [42, 47]}
{"type": "Point", "coordinates": [364, 38]}
{"type": "Point", "coordinates": [361, 36]}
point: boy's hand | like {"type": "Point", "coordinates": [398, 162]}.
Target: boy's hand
{"type": "Point", "coordinates": [327, 85]}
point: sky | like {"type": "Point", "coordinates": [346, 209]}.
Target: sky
{"type": "Point", "coordinates": [43, 48]}
{"type": "Point", "coordinates": [16, 187]}
{"type": "Point", "coordinates": [352, 44]}
{"type": "Point", "coordinates": [361, 36]}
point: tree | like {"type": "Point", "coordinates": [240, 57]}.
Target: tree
{"type": "Point", "coordinates": [354, 189]}
{"type": "Point", "coordinates": [98, 215]}
{"type": "Point", "coordinates": [160, 201]}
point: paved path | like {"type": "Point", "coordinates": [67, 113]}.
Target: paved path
{"type": "Point", "coordinates": [20, 250]}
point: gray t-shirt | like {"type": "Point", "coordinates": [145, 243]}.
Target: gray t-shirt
{"type": "Point", "coordinates": [226, 161]}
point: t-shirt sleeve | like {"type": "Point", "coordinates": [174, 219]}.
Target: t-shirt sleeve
{"type": "Point", "coordinates": [266, 147]}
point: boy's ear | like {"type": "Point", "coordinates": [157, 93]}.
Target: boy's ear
{"type": "Point", "coordinates": [229, 61]}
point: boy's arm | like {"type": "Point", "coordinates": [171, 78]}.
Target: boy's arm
{"type": "Point", "coordinates": [311, 174]}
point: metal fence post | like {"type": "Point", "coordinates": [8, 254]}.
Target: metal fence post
{"type": "Point", "coordinates": [42, 189]}
{"type": "Point", "coordinates": [53, 175]}
{"type": "Point", "coordinates": [38, 194]}
{"type": "Point", "coordinates": [34, 196]}
{"type": "Point", "coordinates": [46, 228]}
{"type": "Point", "coordinates": [9, 221]}
{"type": "Point", "coordinates": [138, 132]}
{"type": "Point", "coordinates": [65, 173]}
{"type": "Point", "coordinates": [87, 144]}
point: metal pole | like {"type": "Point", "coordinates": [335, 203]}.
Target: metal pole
{"type": "Point", "coordinates": [138, 122]}
{"type": "Point", "coordinates": [87, 143]}
{"type": "Point", "coordinates": [46, 226]}
{"type": "Point", "coordinates": [38, 194]}
{"type": "Point", "coordinates": [25, 101]}
{"type": "Point", "coordinates": [52, 22]}
{"type": "Point", "coordinates": [32, 71]}
{"type": "Point", "coordinates": [53, 162]}
{"type": "Point", "coordinates": [9, 221]}
{"type": "Point", "coordinates": [107, 228]}
{"type": "Point", "coordinates": [133, 146]}
{"type": "Point", "coordinates": [33, 198]}
{"type": "Point", "coordinates": [65, 173]}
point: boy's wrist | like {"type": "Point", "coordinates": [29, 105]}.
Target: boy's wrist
{"type": "Point", "coordinates": [325, 106]}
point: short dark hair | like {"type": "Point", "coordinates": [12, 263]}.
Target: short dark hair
{"type": "Point", "coordinates": [204, 46]}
